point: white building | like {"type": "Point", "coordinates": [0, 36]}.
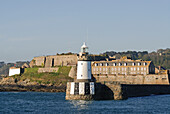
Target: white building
{"type": "Point", "coordinates": [14, 71]}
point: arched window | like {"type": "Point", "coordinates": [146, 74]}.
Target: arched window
{"type": "Point", "coordinates": [125, 64]}
{"type": "Point", "coordinates": [145, 64]}
{"type": "Point", "coordinates": [96, 64]}
{"type": "Point", "coordinates": [133, 64]}
{"type": "Point", "coordinates": [139, 64]}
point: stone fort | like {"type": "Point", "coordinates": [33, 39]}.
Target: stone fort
{"type": "Point", "coordinates": [124, 77]}
{"type": "Point", "coordinates": [123, 70]}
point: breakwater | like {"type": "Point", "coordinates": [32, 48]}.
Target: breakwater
{"type": "Point", "coordinates": [118, 91]}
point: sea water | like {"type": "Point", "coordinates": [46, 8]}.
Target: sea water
{"type": "Point", "coordinates": [54, 103]}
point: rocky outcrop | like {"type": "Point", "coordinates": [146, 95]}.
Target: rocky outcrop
{"type": "Point", "coordinates": [12, 84]}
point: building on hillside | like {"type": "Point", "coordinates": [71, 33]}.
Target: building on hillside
{"type": "Point", "coordinates": [122, 66]}
{"type": "Point", "coordinates": [15, 71]}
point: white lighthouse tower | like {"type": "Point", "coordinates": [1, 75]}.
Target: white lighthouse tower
{"type": "Point", "coordinates": [83, 88]}
{"type": "Point", "coordinates": [84, 65]}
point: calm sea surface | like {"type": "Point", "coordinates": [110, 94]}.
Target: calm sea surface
{"type": "Point", "coordinates": [35, 102]}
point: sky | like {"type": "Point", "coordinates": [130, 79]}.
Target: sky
{"type": "Point", "coordinates": [30, 28]}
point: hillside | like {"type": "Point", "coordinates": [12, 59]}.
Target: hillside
{"type": "Point", "coordinates": [31, 80]}
{"type": "Point", "coordinates": [59, 78]}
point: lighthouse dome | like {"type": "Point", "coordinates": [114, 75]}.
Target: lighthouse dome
{"type": "Point", "coordinates": [84, 45]}
{"type": "Point", "coordinates": [84, 48]}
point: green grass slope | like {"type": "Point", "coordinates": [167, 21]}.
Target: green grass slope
{"type": "Point", "coordinates": [58, 78]}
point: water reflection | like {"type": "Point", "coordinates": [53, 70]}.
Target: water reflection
{"type": "Point", "coordinates": [80, 104]}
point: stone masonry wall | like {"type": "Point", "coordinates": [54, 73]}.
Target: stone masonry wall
{"type": "Point", "coordinates": [138, 79]}
{"type": "Point", "coordinates": [41, 70]}
{"type": "Point", "coordinates": [39, 61]}
{"type": "Point", "coordinates": [73, 72]}
{"type": "Point", "coordinates": [56, 60]}
{"type": "Point", "coordinates": [145, 90]}
{"type": "Point", "coordinates": [65, 60]}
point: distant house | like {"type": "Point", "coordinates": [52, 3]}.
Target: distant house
{"type": "Point", "coordinates": [15, 71]}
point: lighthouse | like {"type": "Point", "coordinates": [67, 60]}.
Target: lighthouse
{"type": "Point", "coordinates": [84, 65]}
{"type": "Point", "coordinates": [83, 88]}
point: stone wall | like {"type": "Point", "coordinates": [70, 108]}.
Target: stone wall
{"type": "Point", "coordinates": [73, 72]}
{"type": "Point", "coordinates": [76, 97]}
{"type": "Point", "coordinates": [107, 91]}
{"type": "Point", "coordinates": [38, 61]}
{"type": "Point", "coordinates": [55, 60]}
{"type": "Point", "coordinates": [65, 60]}
{"type": "Point", "coordinates": [124, 91]}
{"type": "Point", "coordinates": [145, 90]}
{"type": "Point", "coordinates": [42, 70]}
{"type": "Point", "coordinates": [138, 79]}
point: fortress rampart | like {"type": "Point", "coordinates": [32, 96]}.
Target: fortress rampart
{"type": "Point", "coordinates": [54, 60]}
{"type": "Point", "coordinates": [161, 79]}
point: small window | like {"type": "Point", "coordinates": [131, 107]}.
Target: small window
{"type": "Point", "coordinates": [96, 64]}
{"type": "Point", "coordinates": [125, 64]}
{"type": "Point", "coordinates": [145, 64]}
{"type": "Point", "coordinates": [96, 69]}
{"type": "Point", "coordinates": [114, 64]}
{"type": "Point", "coordinates": [139, 64]}
{"type": "Point", "coordinates": [81, 63]}
{"type": "Point", "coordinates": [101, 64]}
{"type": "Point", "coordinates": [107, 64]}
{"type": "Point", "coordinates": [134, 69]}
{"type": "Point", "coordinates": [133, 64]}
{"type": "Point", "coordinates": [120, 64]}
